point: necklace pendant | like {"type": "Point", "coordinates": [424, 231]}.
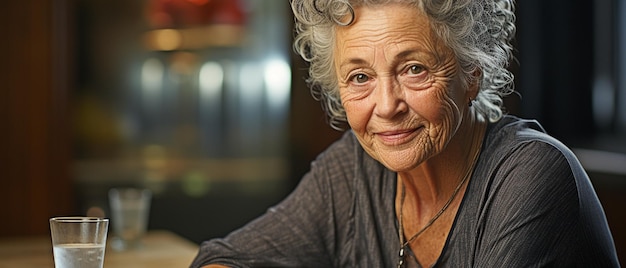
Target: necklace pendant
{"type": "Point", "coordinates": [401, 263]}
{"type": "Point", "coordinates": [401, 260]}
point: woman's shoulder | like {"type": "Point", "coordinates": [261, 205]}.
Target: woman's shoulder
{"type": "Point", "coordinates": [513, 142]}
{"type": "Point", "coordinates": [519, 154]}
{"type": "Point", "coordinates": [511, 133]}
{"type": "Point", "coordinates": [512, 129]}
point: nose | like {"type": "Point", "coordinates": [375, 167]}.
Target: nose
{"type": "Point", "coordinates": [389, 98]}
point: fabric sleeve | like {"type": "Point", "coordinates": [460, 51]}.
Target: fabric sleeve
{"type": "Point", "coordinates": [301, 231]}
{"type": "Point", "coordinates": [534, 217]}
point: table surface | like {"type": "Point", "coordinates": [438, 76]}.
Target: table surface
{"type": "Point", "coordinates": [160, 249]}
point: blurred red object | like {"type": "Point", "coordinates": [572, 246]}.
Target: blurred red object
{"type": "Point", "coordinates": [192, 13]}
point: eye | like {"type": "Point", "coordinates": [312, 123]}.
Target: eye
{"type": "Point", "coordinates": [415, 69]}
{"type": "Point", "coordinates": [359, 78]}
{"type": "Point", "coordinates": [415, 77]}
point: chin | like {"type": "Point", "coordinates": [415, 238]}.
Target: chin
{"type": "Point", "coordinates": [399, 163]}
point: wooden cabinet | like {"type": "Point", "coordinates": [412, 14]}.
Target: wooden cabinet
{"type": "Point", "coordinates": [34, 136]}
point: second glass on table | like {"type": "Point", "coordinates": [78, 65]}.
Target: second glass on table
{"type": "Point", "coordinates": [129, 212]}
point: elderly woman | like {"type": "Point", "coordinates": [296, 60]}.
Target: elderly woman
{"type": "Point", "coordinates": [431, 172]}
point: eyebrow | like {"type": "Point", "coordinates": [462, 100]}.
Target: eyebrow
{"type": "Point", "coordinates": [356, 61]}
{"type": "Point", "coordinates": [360, 61]}
{"type": "Point", "coordinates": [405, 53]}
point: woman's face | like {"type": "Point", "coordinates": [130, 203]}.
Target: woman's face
{"type": "Point", "coordinates": [399, 84]}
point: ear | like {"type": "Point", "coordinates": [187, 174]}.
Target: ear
{"type": "Point", "coordinates": [473, 85]}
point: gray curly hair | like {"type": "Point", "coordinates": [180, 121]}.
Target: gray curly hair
{"type": "Point", "coordinates": [478, 31]}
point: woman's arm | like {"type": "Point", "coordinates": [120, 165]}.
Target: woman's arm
{"type": "Point", "coordinates": [301, 231]}
{"type": "Point", "coordinates": [309, 228]}
{"type": "Point", "coordinates": [287, 235]}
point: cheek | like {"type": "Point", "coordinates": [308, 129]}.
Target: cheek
{"type": "Point", "coordinates": [450, 109]}
{"type": "Point", "coordinates": [450, 95]}
{"type": "Point", "coordinates": [437, 104]}
{"type": "Point", "coordinates": [442, 112]}
{"type": "Point", "coordinates": [451, 112]}
{"type": "Point", "coordinates": [358, 113]}
{"type": "Point", "coordinates": [358, 107]}
{"type": "Point", "coordinates": [451, 117]}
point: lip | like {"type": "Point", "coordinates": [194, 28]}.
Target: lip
{"type": "Point", "coordinates": [396, 137]}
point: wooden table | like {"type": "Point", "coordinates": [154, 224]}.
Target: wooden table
{"type": "Point", "coordinates": [160, 249]}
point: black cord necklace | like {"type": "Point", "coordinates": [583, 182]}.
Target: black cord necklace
{"type": "Point", "coordinates": [404, 244]}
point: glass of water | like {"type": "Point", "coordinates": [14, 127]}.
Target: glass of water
{"type": "Point", "coordinates": [78, 242]}
{"type": "Point", "coordinates": [129, 212]}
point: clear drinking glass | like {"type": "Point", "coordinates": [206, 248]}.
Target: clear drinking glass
{"type": "Point", "coordinates": [129, 212]}
{"type": "Point", "coordinates": [78, 242]}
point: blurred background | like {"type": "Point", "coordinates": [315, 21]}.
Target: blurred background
{"type": "Point", "coordinates": [204, 103]}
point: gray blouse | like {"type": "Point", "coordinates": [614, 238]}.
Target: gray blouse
{"type": "Point", "coordinates": [529, 203]}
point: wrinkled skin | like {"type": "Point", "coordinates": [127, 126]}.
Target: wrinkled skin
{"type": "Point", "coordinates": [399, 85]}
{"type": "Point", "coordinates": [407, 103]}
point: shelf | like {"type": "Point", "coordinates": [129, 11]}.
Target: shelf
{"type": "Point", "coordinates": [224, 35]}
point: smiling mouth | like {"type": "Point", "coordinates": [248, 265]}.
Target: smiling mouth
{"type": "Point", "coordinates": [397, 136]}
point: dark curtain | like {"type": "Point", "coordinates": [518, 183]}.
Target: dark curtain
{"type": "Point", "coordinates": [556, 67]}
